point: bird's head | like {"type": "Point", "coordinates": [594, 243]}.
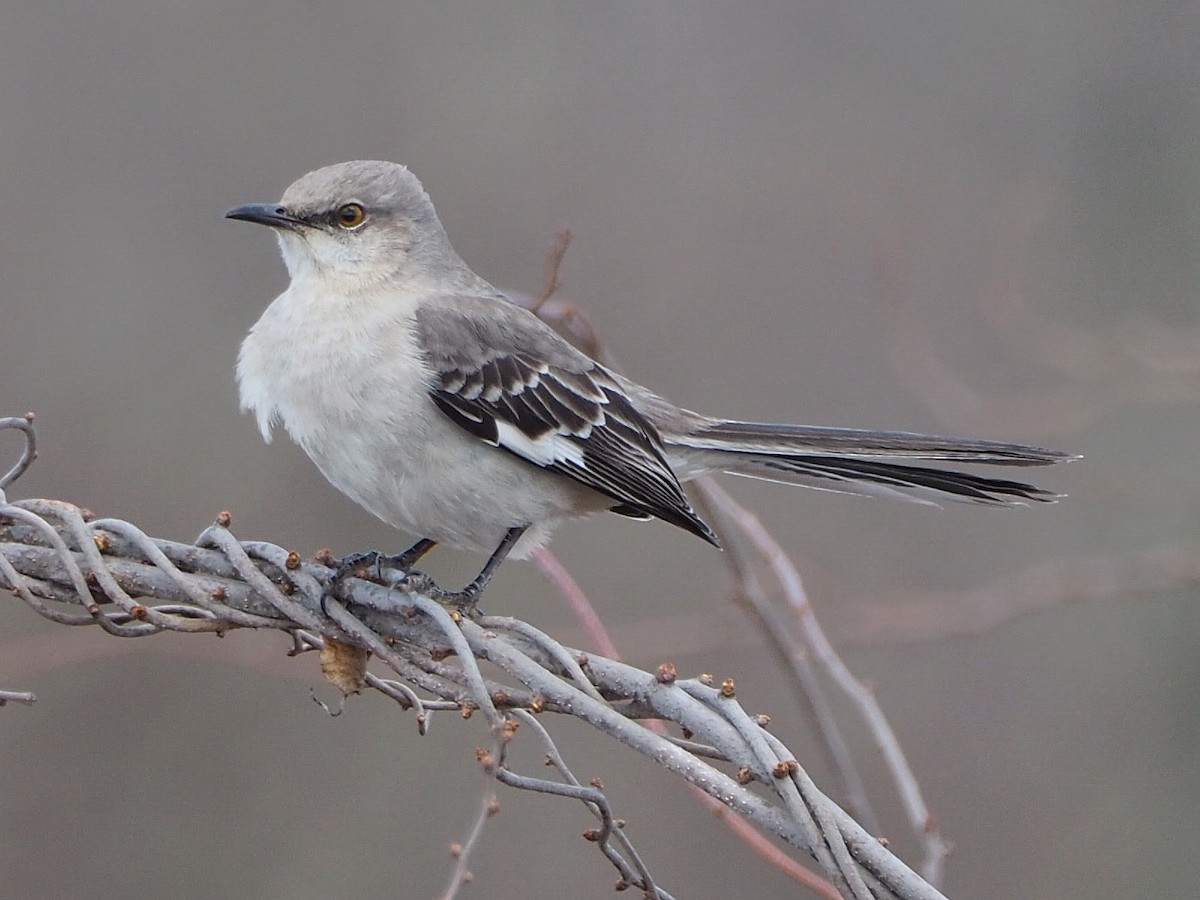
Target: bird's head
{"type": "Point", "coordinates": [364, 221]}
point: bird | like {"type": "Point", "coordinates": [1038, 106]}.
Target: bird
{"type": "Point", "coordinates": [446, 409]}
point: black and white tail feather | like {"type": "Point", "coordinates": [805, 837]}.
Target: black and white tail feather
{"type": "Point", "coordinates": [874, 463]}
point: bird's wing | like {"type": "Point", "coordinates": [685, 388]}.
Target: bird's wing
{"type": "Point", "coordinates": [504, 376]}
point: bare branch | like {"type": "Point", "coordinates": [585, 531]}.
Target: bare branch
{"type": "Point", "coordinates": [732, 523]}
{"type": "Point", "coordinates": [810, 635]}
{"type": "Point", "coordinates": [76, 570]}
{"type": "Point", "coordinates": [562, 240]}
{"type": "Point", "coordinates": [130, 585]}
{"type": "Point", "coordinates": [557, 574]}
{"type": "Point", "coordinates": [489, 805]}
{"type": "Point", "coordinates": [23, 424]}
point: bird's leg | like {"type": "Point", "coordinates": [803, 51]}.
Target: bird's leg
{"type": "Point", "coordinates": [468, 598]}
{"type": "Point", "coordinates": [413, 553]}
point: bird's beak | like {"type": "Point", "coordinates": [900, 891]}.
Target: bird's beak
{"type": "Point", "coordinates": [270, 214]}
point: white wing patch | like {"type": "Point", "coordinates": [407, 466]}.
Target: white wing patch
{"type": "Point", "coordinates": [545, 450]}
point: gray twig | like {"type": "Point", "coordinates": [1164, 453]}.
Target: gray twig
{"type": "Point", "coordinates": [809, 634]}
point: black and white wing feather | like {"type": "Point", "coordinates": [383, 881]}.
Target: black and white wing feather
{"type": "Point", "coordinates": [507, 378]}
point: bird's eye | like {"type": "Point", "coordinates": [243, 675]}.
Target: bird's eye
{"type": "Point", "coordinates": [350, 216]}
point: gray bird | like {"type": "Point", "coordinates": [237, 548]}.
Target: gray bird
{"type": "Point", "coordinates": [427, 396]}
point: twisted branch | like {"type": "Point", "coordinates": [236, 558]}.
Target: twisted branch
{"type": "Point", "coordinates": [76, 570]}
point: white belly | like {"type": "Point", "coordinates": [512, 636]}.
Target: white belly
{"type": "Point", "coordinates": [420, 485]}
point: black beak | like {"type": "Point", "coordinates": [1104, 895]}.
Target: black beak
{"type": "Point", "coordinates": [270, 214]}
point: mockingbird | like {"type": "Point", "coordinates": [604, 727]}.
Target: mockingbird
{"type": "Point", "coordinates": [430, 398]}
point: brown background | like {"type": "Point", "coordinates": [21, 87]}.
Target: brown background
{"type": "Point", "coordinates": [974, 218]}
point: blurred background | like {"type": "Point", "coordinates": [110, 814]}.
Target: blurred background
{"type": "Point", "coordinates": [970, 218]}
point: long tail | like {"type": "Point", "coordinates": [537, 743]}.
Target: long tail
{"type": "Point", "coordinates": [863, 462]}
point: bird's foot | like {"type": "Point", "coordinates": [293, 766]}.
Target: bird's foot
{"type": "Point", "coordinates": [370, 565]}
{"type": "Point", "coordinates": [464, 602]}
{"type": "Point", "coordinates": [359, 564]}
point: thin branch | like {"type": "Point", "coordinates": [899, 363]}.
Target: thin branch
{"type": "Point", "coordinates": [921, 821]}
{"type": "Point", "coordinates": [633, 871]}
{"type": "Point", "coordinates": [558, 576]}
{"type": "Point", "coordinates": [731, 521]}
{"type": "Point", "coordinates": [562, 240]}
{"type": "Point", "coordinates": [25, 698]}
{"type": "Point", "coordinates": [23, 424]}
{"type": "Point", "coordinates": [489, 805]}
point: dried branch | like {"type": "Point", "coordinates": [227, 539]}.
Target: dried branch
{"type": "Point", "coordinates": [23, 424]}
{"type": "Point", "coordinates": [489, 805]}
{"type": "Point", "coordinates": [733, 524]}
{"type": "Point", "coordinates": [110, 574]}
{"type": "Point", "coordinates": [554, 259]}
{"type": "Point", "coordinates": [558, 576]}
{"type": "Point", "coordinates": [792, 633]}
{"type": "Point", "coordinates": [808, 638]}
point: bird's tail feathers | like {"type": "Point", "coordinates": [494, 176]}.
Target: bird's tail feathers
{"type": "Point", "coordinates": [865, 462]}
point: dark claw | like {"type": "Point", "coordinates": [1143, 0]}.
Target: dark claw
{"type": "Point", "coordinates": [351, 564]}
{"type": "Point", "coordinates": [465, 601]}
